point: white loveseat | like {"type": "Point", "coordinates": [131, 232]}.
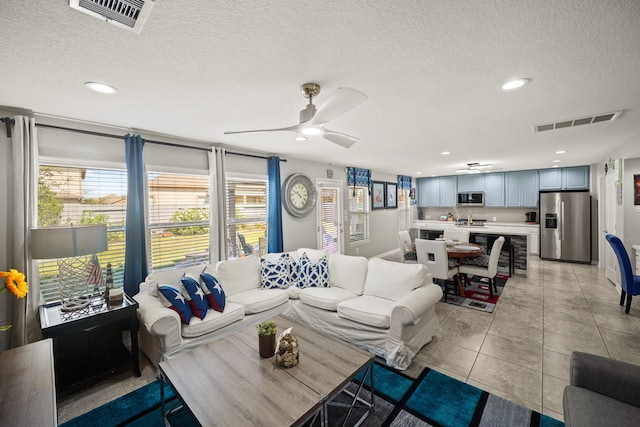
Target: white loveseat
{"type": "Point", "coordinates": [385, 307]}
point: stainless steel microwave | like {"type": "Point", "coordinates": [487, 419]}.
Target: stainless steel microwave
{"type": "Point", "coordinates": [471, 199]}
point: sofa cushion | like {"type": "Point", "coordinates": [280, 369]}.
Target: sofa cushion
{"type": "Point", "coordinates": [216, 297]}
{"type": "Point", "coordinates": [257, 300]}
{"type": "Point", "coordinates": [393, 280]}
{"type": "Point", "coordinates": [275, 274]}
{"type": "Point", "coordinates": [197, 299]}
{"type": "Point", "coordinates": [313, 274]}
{"type": "Point", "coordinates": [238, 275]}
{"type": "Point", "coordinates": [367, 309]}
{"type": "Point", "coordinates": [348, 272]}
{"type": "Point", "coordinates": [213, 321]}
{"type": "Point", "coordinates": [583, 407]}
{"type": "Point", "coordinates": [173, 298]}
{"type": "Point", "coordinates": [325, 298]}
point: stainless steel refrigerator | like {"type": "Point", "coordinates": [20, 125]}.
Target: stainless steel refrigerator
{"type": "Point", "coordinates": [565, 226]}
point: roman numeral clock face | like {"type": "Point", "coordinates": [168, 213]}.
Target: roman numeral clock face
{"type": "Point", "coordinates": [298, 195]}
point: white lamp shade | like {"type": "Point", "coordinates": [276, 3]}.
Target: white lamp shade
{"type": "Point", "coordinates": [65, 242]}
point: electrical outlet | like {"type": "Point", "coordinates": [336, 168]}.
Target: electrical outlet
{"type": "Point", "coordinates": [495, 218]}
{"type": "Point", "coordinates": [637, 209]}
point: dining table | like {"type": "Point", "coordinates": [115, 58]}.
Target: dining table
{"type": "Point", "coordinates": [460, 251]}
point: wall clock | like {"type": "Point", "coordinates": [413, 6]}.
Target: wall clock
{"type": "Point", "coordinates": [298, 195]}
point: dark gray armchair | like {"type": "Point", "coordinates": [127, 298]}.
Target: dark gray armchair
{"type": "Point", "coordinates": [601, 392]}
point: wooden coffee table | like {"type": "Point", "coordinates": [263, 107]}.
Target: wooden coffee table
{"type": "Point", "coordinates": [226, 382]}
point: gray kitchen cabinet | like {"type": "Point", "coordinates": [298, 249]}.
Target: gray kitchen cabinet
{"type": "Point", "coordinates": [421, 189]}
{"type": "Point", "coordinates": [576, 178]}
{"type": "Point", "coordinates": [448, 191]}
{"type": "Point", "coordinates": [494, 190]}
{"type": "Point", "coordinates": [474, 182]}
{"type": "Point", "coordinates": [521, 189]}
{"type": "Point", "coordinates": [573, 178]}
{"type": "Point", "coordinates": [550, 179]}
{"type": "Point", "coordinates": [439, 191]}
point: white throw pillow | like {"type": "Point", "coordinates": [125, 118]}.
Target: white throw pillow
{"type": "Point", "coordinates": [238, 275]}
{"type": "Point", "coordinates": [348, 272]}
{"type": "Point", "coordinates": [393, 280]}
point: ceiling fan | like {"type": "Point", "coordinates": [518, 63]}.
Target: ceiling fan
{"type": "Point", "coordinates": [312, 119]}
{"type": "Point", "coordinates": [474, 168]}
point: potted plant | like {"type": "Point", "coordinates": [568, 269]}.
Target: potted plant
{"type": "Point", "coordinates": [267, 338]}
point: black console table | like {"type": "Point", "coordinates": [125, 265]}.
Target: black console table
{"type": "Point", "coordinates": [88, 345]}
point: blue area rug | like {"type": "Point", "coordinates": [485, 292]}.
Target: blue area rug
{"type": "Point", "coordinates": [432, 399]}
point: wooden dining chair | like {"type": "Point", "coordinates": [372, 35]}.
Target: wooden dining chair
{"type": "Point", "coordinates": [490, 270]}
{"type": "Point", "coordinates": [433, 254]}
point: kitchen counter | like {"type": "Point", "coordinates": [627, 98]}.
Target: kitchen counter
{"type": "Point", "coordinates": [524, 237]}
{"type": "Point", "coordinates": [513, 228]}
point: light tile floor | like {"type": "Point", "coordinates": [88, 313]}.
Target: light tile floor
{"type": "Point", "coordinates": [519, 352]}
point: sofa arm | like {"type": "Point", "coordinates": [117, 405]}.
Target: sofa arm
{"type": "Point", "coordinates": [408, 309]}
{"type": "Point", "coordinates": [613, 378]}
{"type": "Point", "coordinates": [160, 321]}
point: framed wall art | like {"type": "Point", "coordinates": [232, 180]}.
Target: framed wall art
{"type": "Point", "coordinates": [392, 195]}
{"type": "Point", "coordinates": [378, 195]}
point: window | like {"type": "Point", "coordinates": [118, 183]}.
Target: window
{"type": "Point", "coordinates": [358, 214]}
{"type": "Point", "coordinates": [73, 195]}
{"type": "Point", "coordinates": [178, 220]}
{"type": "Point", "coordinates": [246, 217]}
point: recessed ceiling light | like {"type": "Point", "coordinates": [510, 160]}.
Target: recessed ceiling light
{"type": "Point", "coordinates": [100, 87]}
{"type": "Point", "coordinates": [557, 161]}
{"type": "Point", "coordinates": [444, 153]}
{"type": "Point", "coordinates": [561, 151]}
{"type": "Point", "coordinates": [555, 166]}
{"type": "Point", "coordinates": [418, 173]}
{"type": "Point", "coordinates": [301, 138]}
{"type": "Point", "coordinates": [514, 84]}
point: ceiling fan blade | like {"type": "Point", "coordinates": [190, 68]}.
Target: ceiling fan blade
{"type": "Point", "coordinates": [294, 128]}
{"type": "Point", "coordinates": [342, 139]}
{"type": "Point", "coordinates": [341, 101]}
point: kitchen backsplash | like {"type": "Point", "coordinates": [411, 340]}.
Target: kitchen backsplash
{"type": "Point", "coordinates": [489, 214]}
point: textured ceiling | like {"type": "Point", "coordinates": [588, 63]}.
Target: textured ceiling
{"type": "Point", "coordinates": [432, 71]}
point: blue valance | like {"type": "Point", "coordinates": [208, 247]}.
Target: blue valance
{"type": "Point", "coordinates": [404, 182]}
{"type": "Point", "coordinates": [358, 177]}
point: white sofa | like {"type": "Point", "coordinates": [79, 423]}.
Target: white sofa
{"type": "Point", "coordinates": [385, 307]}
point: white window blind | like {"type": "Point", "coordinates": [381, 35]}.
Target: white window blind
{"type": "Point", "coordinates": [330, 220]}
{"type": "Point", "coordinates": [358, 214]}
{"type": "Point", "coordinates": [179, 223]}
{"type": "Point", "coordinates": [74, 195]}
{"type": "Point", "coordinates": [246, 217]}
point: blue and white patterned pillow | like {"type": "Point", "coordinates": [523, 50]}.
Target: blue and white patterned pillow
{"type": "Point", "coordinates": [275, 275]}
{"type": "Point", "coordinates": [313, 275]}
{"type": "Point", "coordinates": [294, 271]}
{"type": "Point", "coordinates": [172, 297]}
{"type": "Point", "coordinates": [197, 299]}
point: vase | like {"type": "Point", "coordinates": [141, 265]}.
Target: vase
{"type": "Point", "coordinates": [267, 345]}
{"type": "Point", "coordinates": [288, 354]}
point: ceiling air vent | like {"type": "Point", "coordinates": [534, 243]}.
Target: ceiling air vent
{"type": "Point", "coordinates": [606, 117]}
{"type": "Point", "coordinates": [128, 14]}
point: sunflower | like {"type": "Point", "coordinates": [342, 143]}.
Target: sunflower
{"type": "Point", "coordinates": [14, 281]}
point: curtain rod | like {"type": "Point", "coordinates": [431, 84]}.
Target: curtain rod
{"type": "Point", "coordinates": [255, 156]}
{"type": "Point", "coordinates": [8, 121]}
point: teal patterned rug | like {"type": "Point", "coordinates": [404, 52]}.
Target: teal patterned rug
{"type": "Point", "coordinates": [431, 399]}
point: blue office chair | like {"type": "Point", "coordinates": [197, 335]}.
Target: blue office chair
{"type": "Point", "coordinates": [629, 282]}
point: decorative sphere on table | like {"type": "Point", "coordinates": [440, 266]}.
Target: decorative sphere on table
{"type": "Point", "coordinates": [288, 355]}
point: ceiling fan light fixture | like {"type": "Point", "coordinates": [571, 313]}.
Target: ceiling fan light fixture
{"type": "Point", "coordinates": [101, 87]}
{"type": "Point", "coordinates": [311, 130]}
{"type": "Point", "coordinates": [515, 84]}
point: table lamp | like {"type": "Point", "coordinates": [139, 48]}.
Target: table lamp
{"type": "Point", "coordinates": [73, 246]}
